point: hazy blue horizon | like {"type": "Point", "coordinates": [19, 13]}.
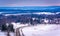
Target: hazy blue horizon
{"type": "Point", "coordinates": [29, 9]}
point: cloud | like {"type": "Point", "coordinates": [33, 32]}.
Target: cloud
{"type": "Point", "coordinates": [29, 2]}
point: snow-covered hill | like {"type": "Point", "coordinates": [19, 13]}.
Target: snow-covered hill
{"type": "Point", "coordinates": [36, 13]}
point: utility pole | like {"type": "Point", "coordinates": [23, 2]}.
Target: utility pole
{"type": "Point", "coordinates": [8, 30]}
{"type": "Point", "coordinates": [8, 33]}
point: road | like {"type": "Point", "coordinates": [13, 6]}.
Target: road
{"type": "Point", "coordinates": [39, 30]}
{"type": "Point", "coordinates": [19, 31]}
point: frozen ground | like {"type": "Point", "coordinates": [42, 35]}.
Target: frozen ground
{"type": "Point", "coordinates": [5, 34]}
{"type": "Point", "coordinates": [42, 30]}
{"type": "Point", "coordinates": [37, 30]}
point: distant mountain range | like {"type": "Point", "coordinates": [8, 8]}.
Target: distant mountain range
{"type": "Point", "coordinates": [29, 9]}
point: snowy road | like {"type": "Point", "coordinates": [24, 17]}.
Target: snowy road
{"type": "Point", "coordinates": [38, 30]}
{"type": "Point", "coordinates": [42, 30]}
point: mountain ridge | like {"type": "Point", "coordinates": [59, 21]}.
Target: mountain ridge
{"type": "Point", "coordinates": [30, 9]}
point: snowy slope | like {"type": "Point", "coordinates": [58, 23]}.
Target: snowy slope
{"type": "Point", "coordinates": [42, 30]}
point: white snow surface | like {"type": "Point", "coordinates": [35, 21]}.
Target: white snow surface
{"type": "Point", "coordinates": [5, 33]}
{"type": "Point", "coordinates": [37, 30]}
{"type": "Point", "coordinates": [42, 30]}
{"type": "Point", "coordinates": [17, 25]}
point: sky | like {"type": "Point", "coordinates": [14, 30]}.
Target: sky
{"type": "Point", "coordinates": [29, 2]}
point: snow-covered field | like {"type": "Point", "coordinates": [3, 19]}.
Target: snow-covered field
{"type": "Point", "coordinates": [5, 33]}
{"type": "Point", "coordinates": [42, 30]}
{"type": "Point", "coordinates": [38, 30]}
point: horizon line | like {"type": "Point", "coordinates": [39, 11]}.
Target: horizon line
{"type": "Point", "coordinates": [29, 6]}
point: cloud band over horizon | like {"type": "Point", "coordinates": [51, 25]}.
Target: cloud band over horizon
{"type": "Point", "coordinates": [29, 2]}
